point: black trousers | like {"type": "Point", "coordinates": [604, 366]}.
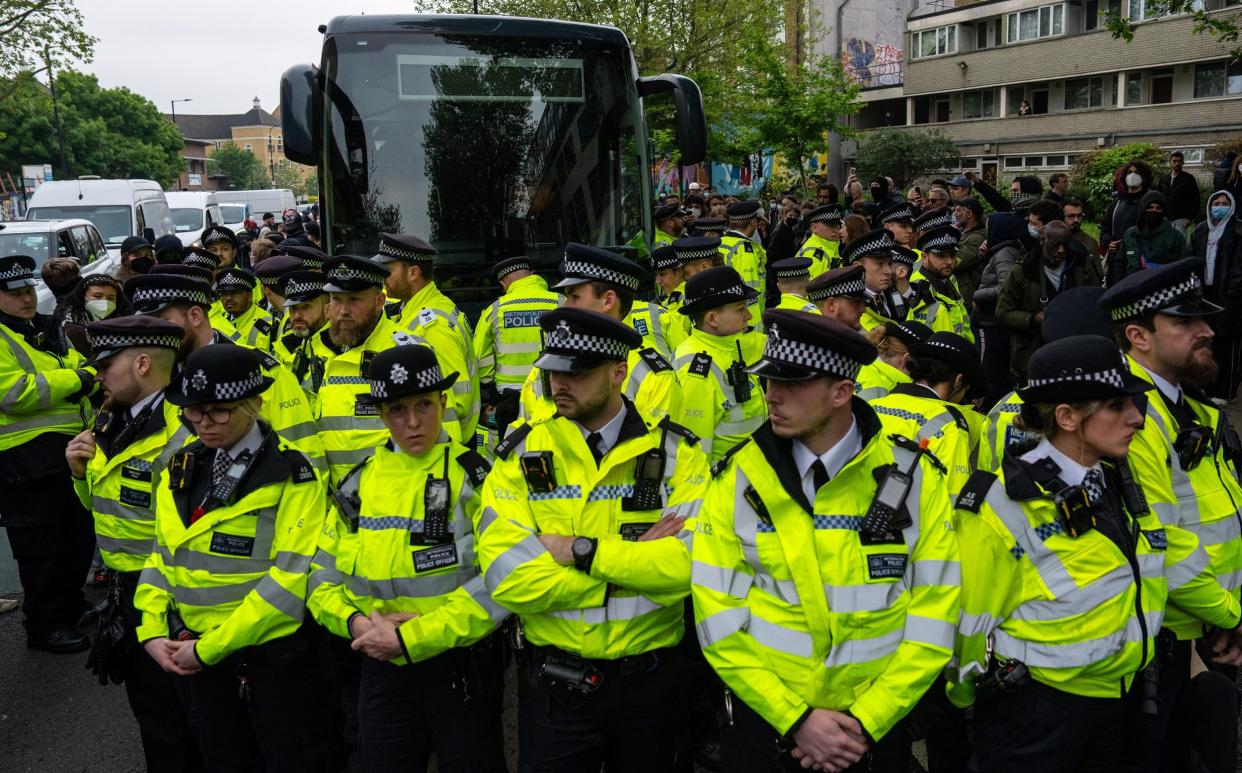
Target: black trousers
{"type": "Point", "coordinates": [749, 745]}
{"type": "Point", "coordinates": [994, 343]}
{"type": "Point", "coordinates": [281, 723]}
{"type": "Point", "coordinates": [449, 706]}
{"type": "Point", "coordinates": [1040, 729]}
{"type": "Point", "coordinates": [935, 720]}
{"type": "Point", "coordinates": [53, 539]}
{"type": "Point", "coordinates": [631, 724]}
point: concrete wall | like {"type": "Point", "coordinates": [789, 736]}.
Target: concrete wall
{"type": "Point", "coordinates": [872, 38]}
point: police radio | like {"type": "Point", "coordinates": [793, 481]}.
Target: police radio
{"type": "Point", "coordinates": [648, 478]}
{"type": "Point", "coordinates": [1131, 492]}
{"type": "Point", "coordinates": [436, 507]}
{"type": "Point", "coordinates": [738, 378]}
{"type": "Point", "coordinates": [891, 493]}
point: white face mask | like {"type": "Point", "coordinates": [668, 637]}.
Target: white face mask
{"type": "Point", "coordinates": [698, 212]}
{"type": "Point", "coordinates": [100, 308]}
{"type": "Point", "coordinates": [1032, 230]}
{"type": "Point", "coordinates": [1134, 180]}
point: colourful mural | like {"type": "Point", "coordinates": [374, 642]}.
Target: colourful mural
{"type": "Point", "coordinates": [873, 65]}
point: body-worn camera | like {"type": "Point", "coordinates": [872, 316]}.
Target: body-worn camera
{"type": "Point", "coordinates": [571, 673]}
{"type": "Point", "coordinates": [539, 472]}
{"type": "Point", "coordinates": [1006, 676]}
{"type": "Point", "coordinates": [1191, 445]}
{"type": "Point", "coordinates": [1074, 509]}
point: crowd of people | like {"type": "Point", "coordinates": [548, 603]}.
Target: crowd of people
{"type": "Point", "coordinates": [868, 470]}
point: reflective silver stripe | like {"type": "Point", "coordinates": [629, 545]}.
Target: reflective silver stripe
{"type": "Point", "coordinates": [111, 507]}
{"type": "Point", "coordinates": [863, 598]}
{"type": "Point", "coordinates": [528, 549]}
{"type": "Point", "coordinates": [853, 651]}
{"type": "Point", "coordinates": [26, 363]}
{"type": "Point", "coordinates": [975, 625]}
{"type": "Point", "coordinates": [1187, 569]}
{"type": "Point", "coordinates": [280, 597]}
{"type": "Point", "coordinates": [19, 353]}
{"type": "Point", "coordinates": [213, 596]}
{"type": "Point", "coordinates": [208, 562]}
{"type": "Point", "coordinates": [324, 559]}
{"type": "Point", "coordinates": [930, 631]}
{"type": "Point", "coordinates": [486, 519]}
{"type": "Point", "coordinates": [523, 347]}
{"type": "Point", "coordinates": [1230, 581]}
{"type": "Point", "coordinates": [1076, 654]}
{"type": "Point", "coordinates": [297, 432]}
{"type": "Point", "coordinates": [1046, 562]}
{"type": "Point", "coordinates": [153, 577]}
{"type": "Point", "coordinates": [785, 590]}
{"type": "Point", "coordinates": [994, 422]}
{"type": "Point", "coordinates": [740, 427]}
{"type": "Point", "coordinates": [403, 587]}
{"type": "Point", "coordinates": [616, 609]}
{"type": "Point", "coordinates": [347, 423]}
{"type": "Point", "coordinates": [478, 591]}
{"type": "Point", "coordinates": [294, 563]}
{"type": "Point", "coordinates": [773, 636]}
{"type": "Point", "coordinates": [721, 580]}
{"type": "Point", "coordinates": [349, 458]}
{"type": "Point", "coordinates": [325, 576]}
{"type": "Point", "coordinates": [932, 427]}
{"type": "Point", "coordinates": [11, 397]}
{"type": "Point", "coordinates": [38, 422]}
{"type": "Point", "coordinates": [1151, 565]}
{"type": "Point", "coordinates": [872, 393]}
{"type": "Point", "coordinates": [132, 547]}
{"type": "Point", "coordinates": [719, 626]}
{"type": "Point", "coordinates": [1182, 490]}
{"type": "Point", "coordinates": [1078, 602]}
{"type": "Point", "coordinates": [514, 371]}
{"type": "Point", "coordinates": [1216, 532]}
{"type": "Point", "coordinates": [746, 524]}
{"type": "Point", "coordinates": [688, 509]}
{"type": "Point", "coordinates": [174, 444]}
{"type": "Point", "coordinates": [930, 572]}
{"type": "Point", "coordinates": [1168, 515]}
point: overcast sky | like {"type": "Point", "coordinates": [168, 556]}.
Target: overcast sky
{"type": "Point", "coordinates": [219, 53]}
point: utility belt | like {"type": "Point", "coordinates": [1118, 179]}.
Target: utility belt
{"type": "Point", "coordinates": [1148, 679]}
{"type": "Point", "coordinates": [574, 673]}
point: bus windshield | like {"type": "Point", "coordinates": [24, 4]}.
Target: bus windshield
{"type": "Point", "coordinates": [487, 147]}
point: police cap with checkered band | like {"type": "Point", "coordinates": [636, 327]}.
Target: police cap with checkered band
{"type": "Point", "coordinates": [218, 374]}
{"type": "Point", "coordinates": [934, 218]}
{"type": "Point", "coordinates": [300, 286]}
{"type": "Point", "coordinates": [910, 332]}
{"type": "Point", "coordinates": [311, 257]}
{"type": "Point", "coordinates": [273, 268]}
{"type": "Point", "coordinates": [233, 279]}
{"type": "Point", "coordinates": [584, 263]}
{"type": "Point", "coordinates": [791, 269]}
{"type": "Point", "coordinates": [904, 255]}
{"type": "Point", "coordinates": [350, 274]}
{"type": "Point", "coordinates": [666, 212]}
{"type": "Point", "coordinates": [802, 346]}
{"type": "Point", "coordinates": [905, 212]}
{"type": "Point", "coordinates": [829, 213]}
{"type": "Point", "coordinates": [940, 240]}
{"type": "Point", "coordinates": [664, 257]}
{"type": "Point", "coordinates": [715, 287]}
{"type": "Point", "coordinates": [510, 265]}
{"type": "Point", "coordinates": [17, 271]}
{"type": "Point", "coordinates": [166, 285]}
{"type": "Point", "coordinates": [1077, 369]}
{"type": "Point", "coordinates": [404, 371]}
{"type": "Point", "coordinates": [876, 243]}
{"type": "Point", "coordinates": [690, 248]}
{"type": "Point", "coordinates": [406, 248]}
{"type": "Point", "coordinates": [217, 233]}
{"type": "Point", "coordinates": [112, 336]}
{"type": "Point", "coordinates": [741, 211]}
{"type": "Point", "coordinates": [843, 282]}
{"type": "Point", "coordinates": [710, 225]}
{"type": "Point", "coordinates": [576, 339]}
{"type": "Point", "coordinates": [956, 352]}
{"type": "Point", "coordinates": [1173, 288]}
{"type": "Point", "coordinates": [200, 258]}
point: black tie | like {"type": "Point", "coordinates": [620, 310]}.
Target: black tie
{"type": "Point", "coordinates": [594, 441]}
{"type": "Point", "coordinates": [819, 474]}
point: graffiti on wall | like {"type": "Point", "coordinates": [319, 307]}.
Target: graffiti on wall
{"type": "Point", "coordinates": [873, 65]}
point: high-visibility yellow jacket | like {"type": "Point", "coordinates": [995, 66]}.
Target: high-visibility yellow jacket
{"type": "Point", "coordinates": [672, 303]}
{"type": "Point", "coordinates": [650, 383]}
{"type": "Point", "coordinates": [659, 328]}
{"type": "Point", "coordinates": [1206, 513]}
{"type": "Point", "coordinates": [350, 430]}
{"type": "Point", "coordinates": [661, 238]}
{"type": "Point", "coordinates": [40, 391]}
{"type": "Point", "coordinates": [221, 323]}
{"type": "Point", "coordinates": [630, 601]}
{"type": "Point", "coordinates": [434, 319]}
{"type": "Point", "coordinates": [508, 338]}
{"type": "Point", "coordinates": [940, 306]}
{"type": "Point", "coordinates": [372, 558]}
{"type": "Point", "coordinates": [824, 254]}
{"type": "Point", "coordinates": [878, 379]}
{"type": "Point", "coordinates": [916, 412]}
{"type": "Point", "coordinates": [306, 359]}
{"type": "Point", "coordinates": [1080, 612]}
{"type": "Point", "coordinates": [254, 328]}
{"type": "Point", "coordinates": [714, 413]}
{"type": "Point", "coordinates": [797, 303]}
{"type": "Point", "coordinates": [749, 260]}
{"type": "Point", "coordinates": [237, 576]}
{"type": "Point", "coordinates": [794, 611]}
{"type": "Point", "coordinates": [1002, 434]}
{"type": "Point", "coordinates": [120, 485]}
{"type": "Point", "coordinates": [873, 315]}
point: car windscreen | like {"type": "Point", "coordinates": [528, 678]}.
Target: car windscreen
{"type": "Point", "coordinates": [36, 245]}
{"type": "Point", "coordinates": [114, 222]}
{"type": "Point", "coordinates": [187, 219]}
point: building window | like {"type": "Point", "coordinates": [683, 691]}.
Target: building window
{"type": "Point", "coordinates": [1216, 79]}
{"type": "Point", "coordinates": [942, 40]}
{"type": "Point", "coordinates": [1013, 162]}
{"type": "Point", "coordinates": [1191, 155]}
{"type": "Point", "coordinates": [1034, 23]}
{"type": "Point", "coordinates": [1016, 96]}
{"type": "Point", "coordinates": [1134, 88]}
{"type": "Point", "coordinates": [1083, 93]}
{"type": "Point", "coordinates": [249, 147]}
{"type": "Point", "coordinates": [1151, 9]}
{"type": "Point", "coordinates": [978, 104]}
{"type": "Point", "coordinates": [1055, 160]}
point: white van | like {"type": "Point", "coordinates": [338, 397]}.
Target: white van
{"type": "Point", "coordinates": [118, 208]}
{"type": "Point", "coordinates": [274, 200]}
{"type": "Point", "coordinates": [192, 211]}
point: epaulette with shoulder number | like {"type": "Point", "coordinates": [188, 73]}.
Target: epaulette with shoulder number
{"type": "Point", "coordinates": [267, 360]}
{"type": "Point", "coordinates": [701, 365]}
{"type": "Point", "coordinates": [512, 441]}
{"type": "Point", "coordinates": [677, 429]}
{"type": "Point", "coordinates": [958, 417]}
{"type": "Point", "coordinates": [654, 360]}
{"type": "Point", "coordinates": [975, 491]}
{"type": "Point", "coordinates": [392, 309]}
{"type": "Point", "coordinates": [723, 462]}
{"type": "Point", "coordinates": [303, 472]}
{"type": "Point", "coordinates": [748, 245]}
{"type": "Point", "coordinates": [476, 467]}
{"type": "Point", "coordinates": [263, 325]}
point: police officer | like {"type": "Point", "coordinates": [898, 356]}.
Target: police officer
{"type": "Point", "coordinates": [741, 251]}
{"type": "Point", "coordinates": [942, 307]}
{"type": "Point", "coordinates": [235, 288]}
{"type": "Point", "coordinates": [893, 341]}
{"type": "Point", "coordinates": [209, 262]}
{"type": "Point", "coordinates": [711, 227]}
{"type": "Point", "coordinates": [180, 294]}
{"type": "Point", "coordinates": [826, 226]}
{"type": "Point", "coordinates": [604, 282]}
{"type": "Point", "coordinates": [507, 340]}
{"type": "Point", "coordinates": [238, 515]}
{"type": "Point", "coordinates": [711, 364]}
{"type": "Point", "coordinates": [669, 276]}
{"type": "Point", "coordinates": [898, 220]}
{"type": "Point", "coordinates": [841, 294]}
{"type": "Point", "coordinates": [931, 220]}
{"type": "Point", "coordinates": [1063, 532]}
{"type": "Point", "coordinates": [1187, 451]}
{"type": "Point", "coordinates": [357, 330]}
{"type": "Point", "coordinates": [669, 224]}
{"type": "Point", "coordinates": [269, 275]}
{"type": "Point", "coordinates": [221, 242]}
{"type": "Point", "coordinates": [429, 315]}
{"type": "Point", "coordinates": [825, 628]}
{"type": "Point", "coordinates": [115, 469]}
{"type": "Point", "coordinates": [312, 258]}
{"type": "Point", "coordinates": [874, 252]}
{"type": "Point", "coordinates": [906, 298]}
{"type": "Point", "coordinates": [44, 384]}
{"type": "Point", "coordinates": [306, 318]}
{"type": "Point", "coordinates": [432, 680]}
{"type": "Point", "coordinates": [792, 277]}
{"type": "Point", "coordinates": [694, 254]}
{"type": "Point", "coordinates": [583, 535]}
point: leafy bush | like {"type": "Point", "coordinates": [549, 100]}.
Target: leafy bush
{"type": "Point", "coordinates": [1091, 176]}
{"type": "Point", "coordinates": [904, 155]}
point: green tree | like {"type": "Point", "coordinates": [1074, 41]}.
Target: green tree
{"type": "Point", "coordinates": [32, 32]}
{"type": "Point", "coordinates": [108, 132]}
{"type": "Point", "coordinates": [290, 175]}
{"type": "Point", "coordinates": [1092, 175]}
{"type": "Point", "coordinates": [904, 154]}
{"type": "Point", "coordinates": [1224, 26]}
{"type": "Point", "coordinates": [241, 167]}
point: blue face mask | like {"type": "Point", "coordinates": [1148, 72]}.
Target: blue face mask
{"type": "Point", "coordinates": [1219, 213]}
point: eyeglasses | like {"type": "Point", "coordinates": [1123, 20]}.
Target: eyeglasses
{"type": "Point", "coordinates": [218, 415]}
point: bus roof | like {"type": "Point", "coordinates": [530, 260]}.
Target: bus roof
{"type": "Point", "coordinates": [499, 26]}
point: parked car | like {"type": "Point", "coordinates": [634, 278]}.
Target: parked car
{"type": "Point", "coordinates": [118, 208]}
{"type": "Point", "coordinates": [43, 240]}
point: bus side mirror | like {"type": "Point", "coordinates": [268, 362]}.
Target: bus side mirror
{"type": "Point", "coordinates": [301, 105]}
{"type": "Point", "coordinates": [688, 101]}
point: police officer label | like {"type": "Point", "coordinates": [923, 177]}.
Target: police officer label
{"type": "Point", "coordinates": [135, 472]}
{"type": "Point", "coordinates": [1157, 539]}
{"type": "Point", "coordinates": [435, 558]}
{"type": "Point", "coordinates": [512, 319]}
{"type": "Point", "coordinates": [134, 497]}
{"type": "Point", "coordinates": [887, 566]}
{"type": "Point", "coordinates": [365, 409]}
{"type": "Point", "coordinates": [232, 544]}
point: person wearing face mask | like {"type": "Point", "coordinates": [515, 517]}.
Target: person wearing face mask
{"type": "Point", "coordinates": [1219, 240]}
{"type": "Point", "coordinates": [1130, 182]}
{"type": "Point", "coordinates": [1153, 241]}
{"type": "Point", "coordinates": [94, 298]}
{"type": "Point", "coordinates": [137, 257]}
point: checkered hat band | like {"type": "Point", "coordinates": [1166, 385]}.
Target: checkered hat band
{"type": "Point", "coordinates": [940, 242]}
{"type": "Point", "coordinates": [17, 272]}
{"type": "Point", "coordinates": [935, 222]}
{"type": "Point", "coordinates": [1160, 299]}
{"type": "Point", "coordinates": [299, 288]}
{"type": "Point", "coordinates": [852, 287]}
{"type": "Point", "coordinates": [231, 281]}
{"type": "Point", "coordinates": [1111, 377]}
{"type": "Point", "coordinates": [793, 273]}
{"type": "Point", "coordinates": [824, 217]}
{"type": "Point", "coordinates": [743, 218]}
{"type": "Point", "coordinates": [227, 390]}
{"type": "Point", "coordinates": [401, 252]}
{"type": "Point", "coordinates": [878, 244]}
{"type": "Point", "coordinates": [119, 341]}
{"type": "Point", "coordinates": [167, 294]}
{"type": "Point", "coordinates": [705, 252]}
{"type": "Point", "coordinates": [672, 262]}
{"type": "Point", "coordinates": [346, 274]}
{"type": "Point", "coordinates": [784, 350]}
{"type": "Point", "coordinates": [582, 343]}
{"type": "Point", "coordinates": [269, 281]}
{"type": "Point", "coordinates": [584, 270]}
{"type": "Point", "coordinates": [201, 261]}
{"type": "Point", "coordinates": [901, 257]}
{"type": "Point", "coordinates": [507, 270]}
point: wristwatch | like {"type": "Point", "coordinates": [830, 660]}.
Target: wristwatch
{"type": "Point", "coordinates": [583, 551]}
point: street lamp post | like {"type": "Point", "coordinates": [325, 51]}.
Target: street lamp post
{"type": "Point", "coordinates": [174, 123]}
